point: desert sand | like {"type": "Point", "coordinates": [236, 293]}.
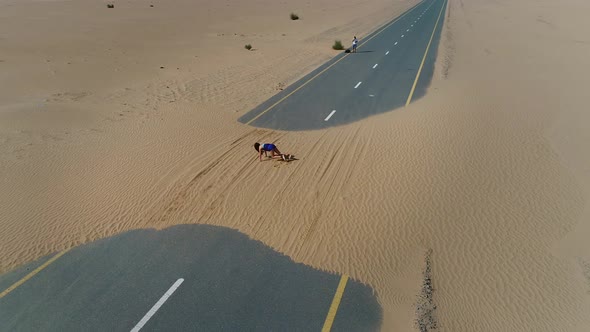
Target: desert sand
{"type": "Point", "coordinates": [125, 118]}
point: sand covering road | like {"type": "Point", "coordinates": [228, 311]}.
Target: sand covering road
{"type": "Point", "coordinates": [125, 118]}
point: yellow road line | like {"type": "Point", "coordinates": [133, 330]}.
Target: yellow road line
{"type": "Point", "coordinates": [335, 303]}
{"type": "Point", "coordinates": [424, 58]}
{"type": "Point", "coordinates": [32, 274]}
{"type": "Point", "coordinates": [330, 66]}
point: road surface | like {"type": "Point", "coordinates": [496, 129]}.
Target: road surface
{"type": "Point", "coordinates": [392, 67]}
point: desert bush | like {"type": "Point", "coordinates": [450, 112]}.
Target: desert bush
{"type": "Point", "coordinates": [337, 45]}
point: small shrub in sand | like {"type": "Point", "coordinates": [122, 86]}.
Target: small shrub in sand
{"type": "Point", "coordinates": [294, 16]}
{"type": "Point", "coordinates": [110, 5]}
{"type": "Point", "coordinates": [248, 47]}
{"type": "Point", "coordinates": [337, 45]}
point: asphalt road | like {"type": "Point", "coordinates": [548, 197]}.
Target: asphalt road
{"type": "Point", "coordinates": [217, 279]}
{"type": "Point", "coordinates": [392, 67]}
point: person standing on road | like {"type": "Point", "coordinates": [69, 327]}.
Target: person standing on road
{"type": "Point", "coordinates": [354, 44]}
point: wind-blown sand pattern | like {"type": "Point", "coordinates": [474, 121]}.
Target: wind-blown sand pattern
{"type": "Point", "coordinates": [489, 170]}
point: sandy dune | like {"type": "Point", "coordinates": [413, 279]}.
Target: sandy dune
{"type": "Point", "coordinates": [487, 175]}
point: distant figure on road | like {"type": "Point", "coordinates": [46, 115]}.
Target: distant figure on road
{"type": "Point", "coordinates": [354, 44]}
{"type": "Point", "coordinates": [269, 147]}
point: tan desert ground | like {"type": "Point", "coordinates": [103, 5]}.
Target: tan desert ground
{"type": "Point", "coordinates": [126, 118]}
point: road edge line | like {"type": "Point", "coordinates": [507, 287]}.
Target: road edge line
{"type": "Point", "coordinates": [335, 304]}
{"type": "Point", "coordinates": [424, 57]}
{"type": "Point", "coordinates": [32, 274]}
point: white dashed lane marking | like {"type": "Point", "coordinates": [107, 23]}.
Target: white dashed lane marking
{"type": "Point", "coordinates": [157, 306]}
{"type": "Point", "coordinates": [357, 85]}
{"type": "Point", "coordinates": [330, 115]}
{"type": "Point", "coordinates": [375, 66]}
